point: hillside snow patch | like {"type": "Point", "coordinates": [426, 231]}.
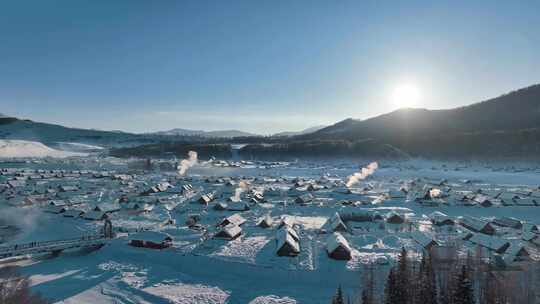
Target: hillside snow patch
{"type": "Point", "coordinates": [25, 148]}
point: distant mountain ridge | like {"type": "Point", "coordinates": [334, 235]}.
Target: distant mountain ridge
{"type": "Point", "coordinates": [208, 134]}
{"type": "Point", "coordinates": [513, 111]}
{"type": "Point", "coordinates": [305, 131]}
{"type": "Point", "coordinates": [505, 126]}
{"type": "Point", "coordinates": [14, 128]}
{"type": "Point", "coordinates": [508, 125]}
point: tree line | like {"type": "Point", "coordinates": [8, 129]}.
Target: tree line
{"type": "Point", "coordinates": [455, 278]}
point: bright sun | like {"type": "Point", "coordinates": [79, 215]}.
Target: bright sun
{"type": "Point", "coordinates": [406, 96]}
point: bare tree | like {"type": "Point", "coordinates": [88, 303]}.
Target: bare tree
{"type": "Point", "coordinates": [15, 288]}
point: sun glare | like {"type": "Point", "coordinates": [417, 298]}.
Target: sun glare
{"type": "Point", "coordinates": [406, 96]}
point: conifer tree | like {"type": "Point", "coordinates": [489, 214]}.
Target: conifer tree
{"type": "Point", "coordinates": [464, 293]}
{"type": "Point", "coordinates": [390, 291]}
{"type": "Point", "coordinates": [427, 288]}
{"type": "Point", "coordinates": [403, 278]}
{"type": "Point", "coordinates": [338, 298]}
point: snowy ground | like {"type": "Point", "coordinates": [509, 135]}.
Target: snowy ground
{"type": "Point", "coordinates": [202, 269]}
{"type": "Point", "coordinates": [25, 148]}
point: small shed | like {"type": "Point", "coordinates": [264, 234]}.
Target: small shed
{"type": "Point", "coordinates": [425, 241]}
{"type": "Point", "coordinates": [187, 189]}
{"type": "Point", "coordinates": [304, 199]}
{"type": "Point", "coordinates": [55, 209]}
{"type": "Point", "coordinates": [68, 188]}
{"type": "Point", "coordinates": [238, 206]}
{"type": "Point", "coordinates": [235, 219]}
{"type": "Point", "coordinates": [396, 194]}
{"type": "Point", "coordinates": [531, 237]}
{"type": "Point", "coordinates": [492, 243]}
{"type": "Point", "coordinates": [517, 252]}
{"type": "Point", "coordinates": [150, 239]}
{"type": "Point", "coordinates": [73, 213]}
{"type": "Point", "coordinates": [528, 201]}
{"type": "Point", "coordinates": [229, 232]}
{"type": "Point", "coordinates": [440, 219]}
{"type": "Point", "coordinates": [477, 225]}
{"type": "Point", "coordinates": [220, 206]}
{"type": "Point", "coordinates": [508, 222]}
{"type": "Point", "coordinates": [338, 247]}
{"type": "Point", "coordinates": [95, 215]}
{"type": "Point", "coordinates": [483, 200]}
{"type": "Point", "coordinates": [395, 218]}
{"type": "Point", "coordinates": [206, 198]}
{"type": "Point", "coordinates": [265, 222]}
{"type": "Point", "coordinates": [335, 223]}
{"type": "Point", "coordinates": [287, 242]}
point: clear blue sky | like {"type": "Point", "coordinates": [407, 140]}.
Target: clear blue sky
{"type": "Point", "coordinates": [260, 66]}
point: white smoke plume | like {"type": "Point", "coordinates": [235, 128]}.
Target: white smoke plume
{"type": "Point", "coordinates": [434, 193]}
{"type": "Point", "coordinates": [25, 219]}
{"type": "Point", "coordinates": [365, 172]}
{"type": "Point", "coordinates": [242, 187]}
{"type": "Point", "coordinates": [187, 163]}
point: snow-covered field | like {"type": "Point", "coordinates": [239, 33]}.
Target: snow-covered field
{"type": "Point", "coordinates": [201, 267]}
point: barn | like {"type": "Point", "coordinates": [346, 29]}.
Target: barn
{"type": "Point", "coordinates": [337, 247]}
{"type": "Point", "coordinates": [150, 239]}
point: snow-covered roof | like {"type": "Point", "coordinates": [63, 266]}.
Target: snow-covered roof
{"type": "Point", "coordinates": [236, 219]}
{"type": "Point", "coordinates": [150, 236]}
{"type": "Point", "coordinates": [286, 235]}
{"type": "Point", "coordinates": [336, 240]}
{"type": "Point", "coordinates": [266, 221]}
{"type": "Point", "coordinates": [229, 231]}
{"type": "Point", "coordinates": [55, 209]}
{"type": "Point", "coordinates": [508, 222]}
{"type": "Point", "coordinates": [73, 213]}
{"type": "Point", "coordinates": [475, 224]}
{"type": "Point", "coordinates": [335, 223]}
{"type": "Point", "coordinates": [423, 239]}
{"type": "Point", "coordinates": [94, 215]}
{"type": "Point", "coordinates": [238, 206]}
{"type": "Point", "coordinates": [396, 194]}
{"type": "Point", "coordinates": [491, 242]}
{"type": "Point", "coordinates": [529, 201]}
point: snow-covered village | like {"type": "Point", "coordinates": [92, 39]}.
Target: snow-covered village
{"type": "Point", "coordinates": [109, 230]}
{"type": "Point", "coordinates": [269, 152]}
